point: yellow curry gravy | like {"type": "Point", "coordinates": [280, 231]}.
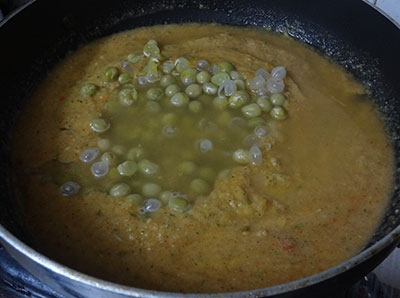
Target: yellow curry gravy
{"type": "Point", "coordinates": [313, 203]}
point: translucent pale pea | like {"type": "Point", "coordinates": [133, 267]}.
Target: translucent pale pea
{"type": "Point", "coordinates": [219, 78]}
{"type": "Point", "coordinates": [179, 204]}
{"type": "Point", "coordinates": [203, 77]}
{"type": "Point", "coordinates": [127, 168]}
{"type": "Point", "coordinates": [103, 144]}
{"type": "Point", "coordinates": [278, 99]}
{"type": "Point", "coordinates": [241, 156]}
{"type": "Point", "coordinates": [251, 110]}
{"type": "Point", "coordinates": [171, 90]}
{"type": "Point", "coordinates": [167, 80]}
{"type": "Point", "coordinates": [88, 89]}
{"type": "Point", "coordinates": [135, 199]}
{"type": "Point", "coordinates": [188, 76]}
{"type": "Point", "coordinates": [151, 190]}
{"type": "Point", "coordinates": [210, 88]}
{"type": "Point", "coordinates": [238, 99]}
{"type": "Point", "coordinates": [264, 103]}
{"type": "Point", "coordinates": [135, 153]}
{"type": "Point", "coordinates": [151, 205]}
{"type": "Point", "coordinates": [195, 106]}
{"type": "Point", "coordinates": [199, 186]}
{"type": "Point", "coordinates": [99, 125]}
{"type": "Point", "coordinates": [109, 158]}
{"type": "Point", "coordinates": [180, 99]}
{"type": "Point", "coordinates": [69, 189]}
{"type": "Point", "coordinates": [120, 190]}
{"type": "Point", "coordinates": [89, 155]}
{"type": "Point", "coordinates": [278, 113]}
{"type": "Point", "coordinates": [148, 168]}
{"type": "Point", "coordinates": [193, 90]}
{"type": "Point", "coordinates": [205, 145]}
{"type": "Point", "coordinates": [99, 169]}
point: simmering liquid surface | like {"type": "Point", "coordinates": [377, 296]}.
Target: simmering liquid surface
{"type": "Point", "coordinates": [313, 202]}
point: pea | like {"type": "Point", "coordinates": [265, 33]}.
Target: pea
{"type": "Point", "coordinates": [181, 64]}
{"type": "Point", "coordinates": [179, 204]}
{"type": "Point", "coordinates": [148, 168]}
{"type": "Point", "coordinates": [124, 78]}
{"type": "Point", "coordinates": [109, 158]}
{"type": "Point", "coordinates": [134, 58]}
{"type": "Point", "coordinates": [207, 174]}
{"type": "Point", "coordinates": [188, 76]}
{"type": "Point", "coordinates": [111, 107]}
{"type": "Point", "coordinates": [238, 98]}
{"type": "Point", "coordinates": [167, 80]}
{"type": "Point", "coordinates": [278, 113]}
{"type": "Point", "coordinates": [240, 84]}
{"type": "Point", "coordinates": [169, 118]}
{"type": "Point", "coordinates": [180, 99]}
{"type": "Point", "coordinates": [203, 77]}
{"type": "Point", "coordinates": [154, 93]}
{"type": "Point", "coordinates": [210, 88]}
{"type": "Point", "coordinates": [151, 49]}
{"type": "Point", "coordinates": [219, 78]}
{"type": "Point", "coordinates": [127, 168]}
{"type": "Point", "coordinates": [127, 96]}
{"type": "Point", "coordinates": [165, 196]}
{"type": "Point", "coordinates": [224, 174]}
{"type": "Point", "coordinates": [193, 90]}
{"type": "Point", "coordinates": [199, 186]}
{"type": "Point", "coordinates": [135, 153]}
{"type": "Point", "coordinates": [195, 106]}
{"type": "Point", "coordinates": [264, 103]}
{"type": "Point", "coordinates": [220, 102]}
{"type": "Point", "coordinates": [120, 190]}
{"type": "Point", "coordinates": [151, 190]}
{"type": "Point", "coordinates": [254, 122]}
{"type": "Point", "coordinates": [153, 107]}
{"type": "Point", "coordinates": [111, 74]}
{"type": "Point", "coordinates": [187, 168]}
{"type": "Point", "coordinates": [241, 156]}
{"type": "Point", "coordinates": [88, 89]}
{"type": "Point", "coordinates": [118, 149]}
{"type": "Point", "coordinates": [225, 67]}
{"type": "Point", "coordinates": [103, 144]}
{"type": "Point", "coordinates": [171, 90]}
{"type": "Point", "coordinates": [251, 110]}
{"type": "Point", "coordinates": [135, 199]}
{"type": "Point", "coordinates": [99, 125]}
{"type": "Point", "coordinates": [278, 99]}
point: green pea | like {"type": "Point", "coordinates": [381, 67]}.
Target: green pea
{"type": "Point", "coordinates": [181, 64]}
{"type": "Point", "coordinates": [171, 90]}
{"type": "Point", "coordinates": [154, 93]}
{"type": "Point", "coordinates": [135, 153]}
{"type": "Point", "coordinates": [241, 156]}
{"type": "Point", "coordinates": [118, 149]}
{"type": "Point", "coordinates": [224, 174]}
{"type": "Point", "coordinates": [127, 96]}
{"type": "Point", "coordinates": [199, 186]}
{"type": "Point", "coordinates": [240, 84]}
{"type": "Point", "coordinates": [264, 103]}
{"type": "Point", "coordinates": [99, 125]}
{"type": "Point", "coordinates": [165, 196]}
{"type": "Point", "coordinates": [278, 113]}
{"type": "Point", "coordinates": [134, 58]}
{"type": "Point", "coordinates": [169, 118]}
{"type": "Point", "coordinates": [151, 190]}
{"type": "Point", "coordinates": [278, 99]}
{"type": "Point", "coordinates": [88, 89]}
{"type": "Point", "coordinates": [179, 204]}
{"type": "Point", "coordinates": [109, 158]}
{"type": "Point", "coordinates": [187, 168]}
{"type": "Point", "coordinates": [188, 76]}
{"type": "Point", "coordinates": [180, 99]}
{"type": "Point", "coordinates": [103, 144]}
{"type": "Point", "coordinates": [135, 199]}
{"type": "Point", "coordinates": [203, 77]}
{"type": "Point", "coordinates": [254, 122]}
{"type": "Point", "coordinates": [148, 168]}
{"type": "Point", "coordinates": [220, 102]}
{"type": "Point", "coordinates": [225, 66]}
{"type": "Point", "coordinates": [124, 78]}
{"type": "Point", "coordinates": [151, 49]}
{"type": "Point", "coordinates": [210, 88]}
{"type": "Point", "coordinates": [219, 78]}
{"type": "Point", "coordinates": [111, 107]}
{"type": "Point", "coordinates": [195, 106]}
{"type": "Point", "coordinates": [153, 107]}
{"type": "Point", "coordinates": [120, 190]}
{"type": "Point", "coordinates": [111, 74]}
{"type": "Point", "coordinates": [251, 110]}
{"type": "Point", "coordinates": [238, 99]}
{"type": "Point", "coordinates": [205, 99]}
{"type": "Point", "coordinates": [207, 174]}
{"type": "Point", "coordinates": [193, 90]}
{"type": "Point", "coordinates": [127, 168]}
{"type": "Point", "coordinates": [167, 80]}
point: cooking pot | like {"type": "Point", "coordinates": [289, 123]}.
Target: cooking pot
{"type": "Point", "coordinates": [350, 32]}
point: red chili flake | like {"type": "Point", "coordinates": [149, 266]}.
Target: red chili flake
{"type": "Point", "coordinates": [61, 98]}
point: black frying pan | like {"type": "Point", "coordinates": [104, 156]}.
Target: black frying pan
{"type": "Point", "coordinates": [347, 31]}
